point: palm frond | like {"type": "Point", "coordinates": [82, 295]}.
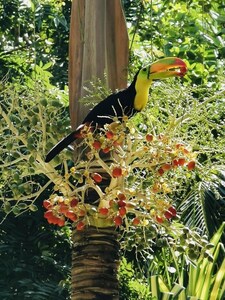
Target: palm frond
{"type": "Point", "coordinates": [204, 207]}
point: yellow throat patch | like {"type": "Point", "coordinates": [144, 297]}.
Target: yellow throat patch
{"type": "Point", "coordinates": [142, 86]}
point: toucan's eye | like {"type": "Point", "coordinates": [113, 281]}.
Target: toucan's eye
{"type": "Point", "coordinates": [145, 69]}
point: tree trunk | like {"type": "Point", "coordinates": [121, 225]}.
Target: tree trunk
{"type": "Point", "coordinates": [98, 46]}
{"type": "Point", "coordinates": [94, 264]}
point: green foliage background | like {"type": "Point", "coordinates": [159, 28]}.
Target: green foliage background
{"type": "Point", "coordinates": [34, 32]}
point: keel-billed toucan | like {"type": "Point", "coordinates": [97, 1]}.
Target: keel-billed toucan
{"type": "Point", "coordinates": [126, 102]}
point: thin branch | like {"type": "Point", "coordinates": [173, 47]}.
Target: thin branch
{"type": "Point", "coordinates": [189, 115]}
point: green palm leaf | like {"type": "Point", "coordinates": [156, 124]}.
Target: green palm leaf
{"type": "Point", "coordinates": [204, 207]}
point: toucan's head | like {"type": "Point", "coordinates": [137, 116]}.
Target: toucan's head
{"type": "Point", "coordinates": [163, 68]}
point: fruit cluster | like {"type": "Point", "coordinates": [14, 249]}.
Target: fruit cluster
{"type": "Point", "coordinates": [115, 211]}
{"type": "Point", "coordinates": [59, 209]}
{"type": "Point", "coordinates": [104, 140]}
{"type": "Point", "coordinates": [142, 173]}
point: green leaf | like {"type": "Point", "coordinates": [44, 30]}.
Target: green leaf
{"type": "Point", "coordinates": [47, 66]}
{"type": "Point", "coordinates": [219, 283]}
{"type": "Point", "coordinates": [154, 280]}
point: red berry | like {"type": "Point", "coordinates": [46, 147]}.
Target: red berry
{"type": "Point", "coordinates": [179, 145]}
{"type": "Point", "coordinates": [97, 177]}
{"type": "Point", "coordinates": [121, 196]}
{"type": "Point", "coordinates": [173, 211]}
{"type": "Point", "coordinates": [109, 135]}
{"type": "Point", "coordinates": [122, 203]}
{"type": "Point", "coordinates": [159, 219]}
{"type": "Point", "coordinates": [149, 137]}
{"type": "Point", "coordinates": [106, 150]}
{"type": "Point", "coordinates": [48, 214]}
{"type": "Point", "coordinates": [166, 167]}
{"type": "Point", "coordinates": [175, 163]}
{"type": "Point", "coordinates": [181, 161]}
{"type": "Point", "coordinates": [61, 222]}
{"type": "Point", "coordinates": [96, 145]}
{"type": "Point", "coordinates": [135, 221]}
{"type": "Point", "coordinates": [52, 219]}
{"type": "Point", "coordinates": [47, 204]}
{"type": "Point", "coordinates": [122, 211]}
{"type": "Point", "coordinates": [168, 215]}
{"type": "Point", "coordinates": [55, 220]}
{"type": "Point", "coordinates": [185, 151]}
{"type": "Point", "coordinates": [74, 202]}
{"type": "Point", "coordinates": [80, 225]}
{"type": "Point", "coordinates": [81, 212]}
{"type": "Point", "coordinates": [160, 171]}
{"type": "Point", "coordinates": [118, 221]}
{"type": "Point", "coordinates": [191, 165]}
{"type": "Point", "coordinates": [117, 172]}
{"type": "Point", "coordinates": [103, 211]}
{"type": "Point", "coordinates": [71, 215]}
{"type": "Point", "coordinates": [63, 208]}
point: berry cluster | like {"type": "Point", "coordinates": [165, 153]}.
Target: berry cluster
{"type": "Point", "coordinates": [143, 171]}
{"type": "Point", "coordinates": [60, 209]}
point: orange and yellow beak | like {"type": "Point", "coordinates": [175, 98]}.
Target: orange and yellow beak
{"type": "Point", "coordinates": [167, 67]}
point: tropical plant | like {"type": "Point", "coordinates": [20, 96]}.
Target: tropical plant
{"type": "Point", "coordinates": [32, 263]}
{"type": "Point", "coordinates": [200, 113]}
{"type": "Point", "coordinates": [35, 258]}
{"type": "Point", "coordinates": [34, 32]}
{"type": "Point", "coordinates": [189, 29]}
{"type": "Point", "coordinates": [29, 116]}
{"type": "Point", "coordinates": [179, 278]}
{"type": "Point", "coordinates": [133, 285]}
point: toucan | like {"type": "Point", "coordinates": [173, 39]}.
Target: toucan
{"type": "Point", "coordinates": [126, 102]}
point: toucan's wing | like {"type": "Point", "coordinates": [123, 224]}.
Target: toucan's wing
{"type": "Point", "coordinates": [65, 142]}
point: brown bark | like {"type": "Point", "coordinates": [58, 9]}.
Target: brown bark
{"type": "Point", "coordinates": [94, 264]}
{"type": "Point", "coordinates": [98, 46]}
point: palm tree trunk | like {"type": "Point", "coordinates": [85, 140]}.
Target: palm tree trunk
{"type": "Point", "coordinates": [95, 264]}
{"type": "Point", "coordinates": [98, 44]}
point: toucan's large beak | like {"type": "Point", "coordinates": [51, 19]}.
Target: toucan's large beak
{"type": "Point", "coordinates": [167, 67]}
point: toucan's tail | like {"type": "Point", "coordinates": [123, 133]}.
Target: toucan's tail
{"type": "Point", "coordinates": [61, 145]}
